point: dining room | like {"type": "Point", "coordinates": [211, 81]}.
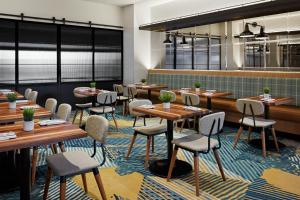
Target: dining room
{"type": "Point", "coordinates": [149, 99]}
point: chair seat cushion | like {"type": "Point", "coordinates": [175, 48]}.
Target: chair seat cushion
{"type": "Point", "coordinates": [107, 109]}
{"type": "Point", "coordinates": [84, 105]}
{"type": "Point", "coordinates": [71, 163]}
{"type": "Point", "coordinates": [195, 142]}
{"type": "Point", "coordinates": [152, 129]}
{"type": "Point", "coordinates": [259, 122]}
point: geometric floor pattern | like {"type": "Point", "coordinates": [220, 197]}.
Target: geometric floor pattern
{"type": "Point", "coordinates": [249, 176]}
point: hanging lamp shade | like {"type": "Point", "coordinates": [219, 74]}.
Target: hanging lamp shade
{"type": "Point", "coordinates": [262, 35]}
{"type": "Point", "coordinates": [246, 33]}
{"type": "Point", "coordinates": [183, 42]}
{"type": "Point", "coordinates": [167, 40]}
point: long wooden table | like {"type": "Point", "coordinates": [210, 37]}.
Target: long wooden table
{"type": "Point", "coordinates": [4, 98]}
{"type": "Point", "coordinates": [150, 88]}
{"type": "Point", "coordinates": [205, 94]}
{"type": "Point", "coordinates": [41, 135]}
{"type": "Point", "coordinates": [13, 115]}
{"type": "Point", "coordinates": [176, 112]}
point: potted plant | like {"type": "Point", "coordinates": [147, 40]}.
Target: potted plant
{"type": "Point", "coordinates": [93, 86]}
{"type": "Point", "coordinates": [197, 86]}
{"type": "Point", "coordinates": [266, 93]}
{"type": "Point", "coordinates": [143, 81]}
{"type": "Point", "coordinates": [11, 97]}
{"type": "Point", "coordinates": [166, 98]}
{"type": "Point", "coordinates": [28, 116]}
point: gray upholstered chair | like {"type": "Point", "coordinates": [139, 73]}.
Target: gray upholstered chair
{"type": "Point", "coordinates": [106, 105]}
{"type": "Point", "coordinates": [250, 110]}
{"type": "Point", "coordinates": [32, 96]}
{"type": "Point", "coordinates": [27, 92]}
{"type": "Point", "coordinates": [121, 98]}
{"type": "Point", "coordinates": [80, 107]}
{"type": "Point", "coordinates": [131, 92]}
{"type": "Point", "coordinates": [209, 126]}
{"type": "Point", "coordinates": [64, 111]}
{"type": "Point", "coordinates": [72, 163]}
{"type": "Point", "coordinates": [190, 99]}
{"type": "Point", "coordinates": [138, 115]}
{"type": "Point", "coordinates": [148, 131]}
{"type": "Point", "coordinates": [51, 105]}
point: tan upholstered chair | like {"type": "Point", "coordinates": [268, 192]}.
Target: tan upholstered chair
{"type": "Point", "coordinates": [73, 163]}
{"type": "Point", "coordinates": [190, 99]}
{"type": "Point", "coordinates": [137, 115]}
{"type": "Point", "coordinates": [209, 125]}
{"type": "Point", "coordinates": [80, 107]}
{"type": "Point", "coordinates": [250, 110]}
{"type": "Point", "coordinates": [107, 105]}
{"type": "Point", "coordinates": [121, 98]}
{"type": "Point", "coordinates": [148, 131]}
{"type": "Point", "coordinates": [33, 96]}
{"type": "Point", "coordinates": [51, 105]}
{"type": "Point", "coordinates": [64, 111]}
{"type": "Point", "coordinates": [27, 92]}
{"type": "Point", "coordinates": [131, 92]}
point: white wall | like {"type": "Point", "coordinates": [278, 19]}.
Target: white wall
{"type": "Point", "coordinates": [76, 10]}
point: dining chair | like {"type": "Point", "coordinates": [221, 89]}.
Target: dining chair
{"type": "Point", "coordinates": [189, 99]}
{"type": "Point", "coordinates": [106, 105]}
{"type": "Point", "coordinates": [209, 126]}
{"type": "Point", "coordinates": [148, 131]}
{"type": "Point", "coordinates": [173, 99]}
{"type": "Point", "coordinates": [33, 96]}
{"type": "Point", "coordinates": [121, 98]}
{"type": "Point", "coordinates": [131, 92]}
{"type": "Point", "coordinates": [80, 107]}
{"type": "Point", "coordinates": [51, 105]}
{"type": "Point", "coordinates": [250, 109]}
{"type": "Point", "coordinates": [63, 113]}
{"type": "Point", "coordinates": [27, 92]}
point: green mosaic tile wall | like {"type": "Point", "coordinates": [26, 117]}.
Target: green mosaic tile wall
{"type": "Point", "coordinates": [239, 86]}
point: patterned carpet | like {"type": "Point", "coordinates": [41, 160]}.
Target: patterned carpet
{"type": "Point", "coordinates": [249, 176]}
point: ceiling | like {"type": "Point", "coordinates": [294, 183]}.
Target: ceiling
{"type": "Point", "coordinates": [117, 2]}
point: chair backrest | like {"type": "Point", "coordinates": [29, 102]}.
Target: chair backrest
{"type": "Point", "coordinates": [96, 127]}
{"type": "Point", "coordinates": [51, 104]}
{"type": "Point", "coordinates": [64, 111]}
{"type": "Point", "coordinates": [130, 91]}
{"type": "Point", "coordinates": [27, 92]}
{"type": "Point", "coordinates": [118, 88]}
{"type": "Point", "coordinates": [76, 94]}
{"type": "Point", "coordinates": [190, 99]}
{"type": "Point", "coordinates": [33, 96]}
{"type": "Point", "coordinates": [211, 124]}
{"type": "Point", "coordinates": [250, 107]}
{"type": "Point", "coordinates": [137, 103]}
{"type": "Point", "coordinates": [107, 98]}
{"type": "Point", "coordinates": [170, 92]}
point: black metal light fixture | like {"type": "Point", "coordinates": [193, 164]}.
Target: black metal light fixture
{"type": "Point", "coordinates": [247, 33]}
{"type": "Point", "coordinates": [262, 35]}
{"type": "Point", "coordinates": [167, 40]}
{"type": "Point", "coordinates": [183, 42]}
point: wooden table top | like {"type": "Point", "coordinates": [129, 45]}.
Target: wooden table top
{"type": "Point", "coordinates": [41, 135]}
{"type": "Point", "coordinates": [204, 93]}
{"type": "Point", "coordinates": [147, 87]}
{"type": "Point", "coordinates": [4, 98]}
{"type": "Point", "coordinates": [12, 115]}
{"type": "Point", "coordinates": [277, 101]}
{"type": "Point", "coordinates": [176, 112]}
{"type": "Point", "coordinates": [89, 92]}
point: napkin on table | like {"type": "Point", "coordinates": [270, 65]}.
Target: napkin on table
{"type": "Point", "coordinates": [7, 136]}
{"type": "Point", "coordinates": [51, 122]}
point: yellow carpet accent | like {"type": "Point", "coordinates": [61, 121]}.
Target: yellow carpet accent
{"type": "Point", "coordinates": [283, 180]}
{"type": "Point", "coordinates": [127, 186]}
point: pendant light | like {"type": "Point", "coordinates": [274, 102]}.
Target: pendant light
{"type": "Point", "coordinates": [167, 40]}
{"type": "Point", "coordinates": [262, 35]}
{"type": "Point", "coordinates": [246, 33]}
{"type": "Point", "coordinates": [183, 42]}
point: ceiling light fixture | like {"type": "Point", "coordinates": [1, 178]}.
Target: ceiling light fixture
{"type": "Point", "coordinates": [183, 42]}
{"type": "Point", "coordinates": [262, 35]}
{"type": "Point", "coordinates": [247, 33]}
{"type": "Point", "coordinates": [167, 40]}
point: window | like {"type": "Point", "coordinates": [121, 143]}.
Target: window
{"type": "Point", "coordinates": [215, 54]}
{"type": "Point", "coordinates": [201, 53]}
{"type": "Point", "coordinates": [184, 54]}
{"type": "Point", "coordinates": [7, 52]}
{"type": "Point", "coordinates": [170, 50]}
{"type": "Point", "coordinates": [108, 55]}
{"type": "Point", "coordinates": [37, 53]}
{"type": "Point", "coordinates": [76, 54]}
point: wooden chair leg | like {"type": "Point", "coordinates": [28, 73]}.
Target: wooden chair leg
{"type": "Point", "coordinates": [114, 118]}
{"type": "Point", "coordinates": [83, 176]}
{"type": "Point", "coordinates": [250, 129]}
{"type": "Point", "coordinates": [99, 183]}
{"type": "Point", "coordinates": [135, 118]}
{"type": "Point", "coordinates": [62, 147]}
{"type": "Point", "coordinates": [237, 137]}
{"type": "Point", "coordinates": [75, 115]}
{"type": "Point", "coordinates": [263, 140]}
{"type": "Point", "coordinates": [182, 125]}
{"type": "Point", "coordinates": [80, 119]}
{"type": "Point", "coordinates": [144, 120]}
{"type": "Point", "coordinates": [217, 157]}
{"type": "Point", "coordinates": [196, 172]}
{"type": "Point", "coordinates": [173, 159]}
{"type": "Point", "coordinates": [161, 120]}
{"type": "Point", "coordinates": [195, 120]}
{"type": "Point", "coordinates": [275, 139]}
{"type": "Point", "coordinates": [152, 143]}
{"type": "Point", "coordinates": [54, 148]}
{"type": "Point", "coordinates": [47, 183]}
{"type": "Point", "coordinates": [189, 123]}
{"type": "Point", "coordinates": [33, 164]}
{"type": "Point", "coordinates": [124, 107]}
{"type": "Point", "coordinates": [131, 145]}
{"type": "Point", "coordinates": [63, 187]}
{"type": "Point", "coordinates": [147, 152]}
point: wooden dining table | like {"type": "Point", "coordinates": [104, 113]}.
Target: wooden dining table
{"type": "Point", "coordinates": [150, 88]}
{"type": "Point", "coordinates": [4, 98]}
{"type": "Point", "coordinates": [41, 135]}
{"type": "Point", "coordinates": [206, 94]}
{"type": "Point", "coordinates": [90, 93]}
{"type": "Point", "coordinates": [176, 112]}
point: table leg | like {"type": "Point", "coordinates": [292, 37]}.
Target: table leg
{"type": "Point", "coordinates": [9, 181]}
{"type": "Point", "coordinates": [161, 167]}
{"type": "Point", "coordinates": [208, 103]}
{"type": "Point", "coordinates": [25, 174]}
{"type": "Point", "coordinates": [94, 101]}
{"type": "Point", "coordinates": [149, 94]}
